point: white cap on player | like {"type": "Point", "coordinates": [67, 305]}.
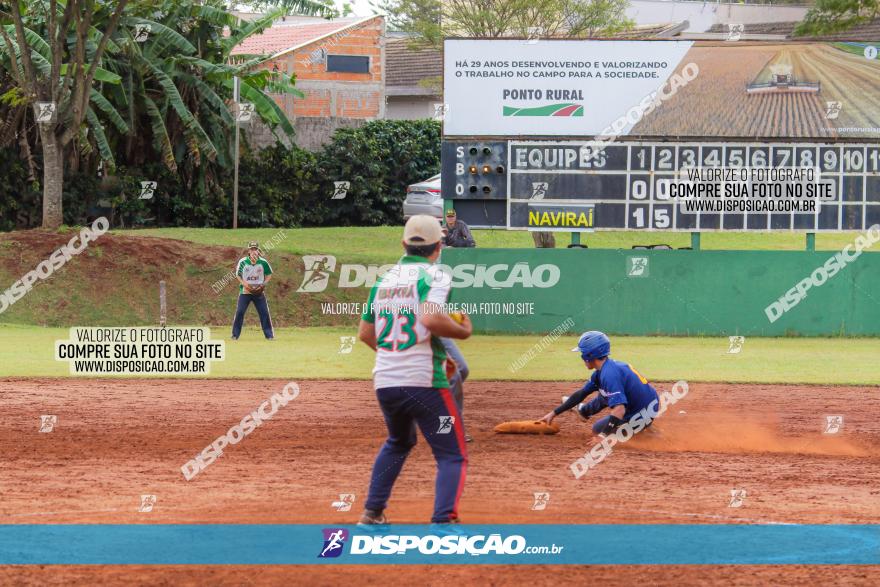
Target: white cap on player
{"type": "Point", "coordinates": [422, 229]}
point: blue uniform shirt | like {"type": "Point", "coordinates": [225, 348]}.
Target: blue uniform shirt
{"type": "Point", "coordinates": [618, 383]}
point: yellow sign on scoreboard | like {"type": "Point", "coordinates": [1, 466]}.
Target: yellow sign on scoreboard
{"type": "Point", "coordinates": [557, 216]}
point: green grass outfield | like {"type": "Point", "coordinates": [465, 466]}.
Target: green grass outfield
{"type": "Point", "coordinates": [313, 353]}
{"type": "Point", "coordinates": [382, 243]}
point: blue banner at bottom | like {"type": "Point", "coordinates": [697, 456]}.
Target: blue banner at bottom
{"type": "Point", "coordinates": [277, 544]}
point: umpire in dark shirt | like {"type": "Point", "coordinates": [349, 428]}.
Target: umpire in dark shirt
{"type": "Point", "coordinates": [458, 233]}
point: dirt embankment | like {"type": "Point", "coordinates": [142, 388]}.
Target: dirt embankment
{"type": "Point", "coordinates": [115, 282]}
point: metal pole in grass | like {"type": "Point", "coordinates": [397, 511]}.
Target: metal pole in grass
{"type": "Point", "coordinates": [235, 98]}
{"type": "Point", "coordinates": [163, 307]}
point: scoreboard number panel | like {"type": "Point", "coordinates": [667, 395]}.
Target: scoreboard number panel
{"type": "Point", "coordinates": [567, 186]}
{"type": "Point", "coordinates": [872, 189]}
{"type": "Point", "coordinates": [627, 183]}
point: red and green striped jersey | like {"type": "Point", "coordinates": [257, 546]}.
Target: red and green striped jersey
{"type": "Point", "coordinates": [252, 273]}
{"type": "Point", "coordinates": [408, 355]}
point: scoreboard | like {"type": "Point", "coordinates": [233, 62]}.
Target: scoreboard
{"type": "Point", "coordinates": [584, 185]}
{"type": "Point", "coordinates": [662, 134]}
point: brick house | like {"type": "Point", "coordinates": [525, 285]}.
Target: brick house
{"type": "Point", "coordinates": [339, 65]}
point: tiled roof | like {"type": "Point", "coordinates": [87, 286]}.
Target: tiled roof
{"type": "Point", "coordinates": [406, 67]}
{"type": "Point", "coordinates": [869, 31]}
{"type": "Point", "coordinates": [250, 16]}
{"type": "Point", "coordinates": [292, 32]}
{"type": "Point", "coordinates": [758, 28]}
{"type": "Point", "coordinates": [652, 31]}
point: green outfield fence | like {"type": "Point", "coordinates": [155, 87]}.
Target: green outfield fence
{"type": "Point", "coordinates": [675, 292]}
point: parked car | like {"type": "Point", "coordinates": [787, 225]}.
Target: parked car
{"type": "Point", "coordinates": [423, 198]}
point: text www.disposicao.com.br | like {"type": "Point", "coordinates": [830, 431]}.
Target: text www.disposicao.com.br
{"type": "Point", "coordinates": [749, 205]}
{"type": "Point", "coordinates": [140, 366]}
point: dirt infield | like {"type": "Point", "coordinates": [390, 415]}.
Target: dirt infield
{"type": "Point", "coordinates": [118, 439]}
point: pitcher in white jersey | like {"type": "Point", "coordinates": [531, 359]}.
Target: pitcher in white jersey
{"type": "Point", "coordinates": [403, 323]}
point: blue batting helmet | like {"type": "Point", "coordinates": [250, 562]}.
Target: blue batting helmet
{"type": "Point", "coordinates": [593, 345]}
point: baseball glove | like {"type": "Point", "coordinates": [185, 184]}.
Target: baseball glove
{"type": "Point", "coordinates": [527, 427]}
{"type": "Point", "coordinates": [451, 368]}
{"type": "Point", "coordinates": [256, 290]}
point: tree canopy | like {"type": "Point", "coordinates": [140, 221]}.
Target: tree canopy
{"type": "Point", "coordinates": [128, 82]}
{"type": "Point", "coordinates": [429, 21]}
{"type": "Point", "coordinates": [834, 16]}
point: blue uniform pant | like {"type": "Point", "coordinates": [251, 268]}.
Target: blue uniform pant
{"type": "Point", "coordinates": [430, 409]}
{"type": "Point", "coordinates": [594, 406]}
{"type": "Point", "coordinates": [262, 306]}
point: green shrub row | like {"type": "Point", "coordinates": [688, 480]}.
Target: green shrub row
{"type": "Point", "coordinates": [278, 186]}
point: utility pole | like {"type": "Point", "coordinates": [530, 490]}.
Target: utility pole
{"type": "Point", "coordinates": [236, 98]}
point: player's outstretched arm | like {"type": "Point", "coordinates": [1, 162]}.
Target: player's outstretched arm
{"type": "Point", "coordinates": [573, 400]}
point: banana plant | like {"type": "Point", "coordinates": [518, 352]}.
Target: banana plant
{"type": "Point", "coordinates": [157, 78]}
